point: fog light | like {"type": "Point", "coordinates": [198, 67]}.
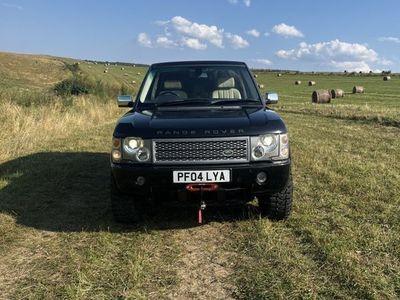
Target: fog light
{"type": "Point", "coordinates": [116, 155]}
{"type": "Point", "coordinates": [261, 178]}
{"type": "Point", "coordinates": [140, 180]}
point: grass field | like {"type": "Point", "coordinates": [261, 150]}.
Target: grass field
{"type": "Point", "coordinates": [58, 239]}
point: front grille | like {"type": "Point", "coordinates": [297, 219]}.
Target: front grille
{"type": "Point", "coordinates": [199, 151]}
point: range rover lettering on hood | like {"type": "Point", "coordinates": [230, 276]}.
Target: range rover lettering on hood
{"type": "Point", "coordinates": [206, 132]}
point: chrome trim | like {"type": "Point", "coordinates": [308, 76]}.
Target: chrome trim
{"type": "Point", "coordinates": [216, 139]}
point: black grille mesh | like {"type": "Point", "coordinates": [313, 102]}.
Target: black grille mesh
{"type": "Point", "coordinates": [199, 151]}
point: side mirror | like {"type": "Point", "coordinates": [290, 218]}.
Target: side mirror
{"type": "Point", "coordinates": [124, 101]}
{"type": "Point", "coordinates": [271, 98]}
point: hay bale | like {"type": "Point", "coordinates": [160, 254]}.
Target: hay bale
{"type": "Point", "coordinates": [358, 89]}
{"type": "Point", "coordinates": [297, 82]}
{"type": "Point", "coordinates": [386, 78]}
{"type": "Point", "coordinates": [321, 96]}
{"type": "Point", "coordinates": [261, 86]}
{"type": "Point", "coordinates": [337, 93]}
{"type": "Point", "coordinates": [133, 82]}
{"type": "Point", "coordinates": [105, 71]}
{"type": "Point", "coordinates": [279, 75]}
{"type": "Point", "coordinates": [138, 73]}
{"type": "Point", "coordinates": [311, 83]}
{"type": "Point", "coordinates": [122, 68]}
{"type": "Point", "coordinates": [255, 75]}
{"type": "Point", "coordinates": [126, 74]}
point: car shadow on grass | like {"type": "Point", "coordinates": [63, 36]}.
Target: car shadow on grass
{"type": "Point", "coordinates": [69, 192]}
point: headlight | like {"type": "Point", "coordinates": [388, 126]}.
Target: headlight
{"type": "Point", "coordinates": [136, 149]}
{"type": "Point", "coordinates": [258, 152]}
{"type": "Point", "coordinates": [270, 147]}
{"type": "Point", "coordinates": [143, 154]}
{"type": "Point", "coordinates": [132, 144]}
{"type": "Point", "coordinates": [269, 141]}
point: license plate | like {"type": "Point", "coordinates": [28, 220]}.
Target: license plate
{"type": "Point", "coordinates": [201, 176]}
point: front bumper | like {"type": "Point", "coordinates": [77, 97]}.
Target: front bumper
{"type": "Point", "coordinates": [159, 178]}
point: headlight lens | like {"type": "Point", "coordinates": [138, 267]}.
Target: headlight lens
{"type": "Point", "coordinates": [270, 147]}
{"type": "Point", "coordinates": [269, 141]}
{"type": "Point", "coordinates": [143, 154]}
{"type": "Point", "coordinates": [132, 144]}
{"type": "Point", "coordinates": [136, 149]}
{"type": "Point", "coordinates": [258, 152]}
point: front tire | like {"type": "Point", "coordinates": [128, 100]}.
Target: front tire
{"type": "Point", "coordinates": [278, 206]}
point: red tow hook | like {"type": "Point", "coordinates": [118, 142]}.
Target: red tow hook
{"type": "Point", "coordinates": [197, 187]}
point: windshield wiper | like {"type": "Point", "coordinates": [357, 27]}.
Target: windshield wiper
{"type": "Point", "coordinates": [239, 102]}
{"type": "Point", "coordinates": [192, 101]}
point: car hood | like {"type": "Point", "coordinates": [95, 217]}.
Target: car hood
{"type": "Point", "coordinates": [201, 123]}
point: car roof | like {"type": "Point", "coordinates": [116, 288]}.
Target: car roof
{"type": "Point", "coordinates": [199, 63]}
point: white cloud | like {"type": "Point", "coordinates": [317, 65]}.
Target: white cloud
{"type": "Point", "coordinates": [287, 30]}
{"type": "Point", "coordinates": [385, 62]}
{"type": "Point", "coordinates": [144, 40]}
{"type": "Point", "coordinates": [13, 6]}
{"type": "Point", "coordinates": [199, 31]}
{"type": "Point", "coordinates": [253, 32]}
{"type": "Point", "coordinates": [340, 55]}
{"type": "Point", "coordinates": [262, 61]}
{"type": "Point", "coordinates": [237, 41]}
{"type": "Point", "coordinates": [352, 66]}
{"type": "Point", "coordinates": [389, 39]}
{"type": "Point", "coordinates": [333, 50]}
{"type": "Point", "coordinates": [193, 44]}
{"type": "Point", "coordinates": [165, 42]}
{"type": "Point", "coordinates": [247, 3]}
{"type": "Point", "coordinates": [161, 22]}
{"type": "Point", "coordinates": [181, 32]}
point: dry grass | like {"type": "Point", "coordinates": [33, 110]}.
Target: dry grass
{"type": "Point", "coordinates": [28, 129]}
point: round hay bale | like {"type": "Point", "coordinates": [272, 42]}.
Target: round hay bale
{"type": "Point", "coordinates": [386, 78]}
{"type": "Point", "coordinates": [358, 89]}
{"type": "Point", "coordinates": [122, 68]}
{"type": "Point", "coordinates": [133, 81]}
{"type": "Point", "coordinates": [311, 83]}
{"type": "Point", "coordinates": [138, 73]}
{"type": "Point", "coordinates": [321, 96]}
{"type": "Point", "coordinates": [105, 71]}
{"type": "Point", "coordinates": [279, 75]}
{"type": "Point", "coordinates": [337, 93]}
{"type": "Point", "coordinates": [255, 75]}
{"type": "Point", "coordinates": [261, 86]}
{"type": "Point", "coordinates": [297, 82]}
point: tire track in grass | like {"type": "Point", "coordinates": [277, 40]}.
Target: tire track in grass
{"type": "Point", "coordinates": [204, 264]}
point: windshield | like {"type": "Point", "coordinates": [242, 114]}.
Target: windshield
{"type": "Point", "coordinates": [197, 85]}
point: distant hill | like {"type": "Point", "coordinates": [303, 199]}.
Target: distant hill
{"type": "Point", "coordinates": [24, 73]}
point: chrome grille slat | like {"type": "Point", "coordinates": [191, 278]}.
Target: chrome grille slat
{"type": "Point", "coordinates": [201, 151]}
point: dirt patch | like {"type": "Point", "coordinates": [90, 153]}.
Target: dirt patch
{"type": "Point", "coordinates": [204, 263]}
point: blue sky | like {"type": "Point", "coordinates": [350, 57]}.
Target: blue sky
{"type": "Point", "coordinates": [299, 35]}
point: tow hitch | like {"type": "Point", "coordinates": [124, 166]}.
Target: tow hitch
{"type": "Point", "coordinates": [195, 187]}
